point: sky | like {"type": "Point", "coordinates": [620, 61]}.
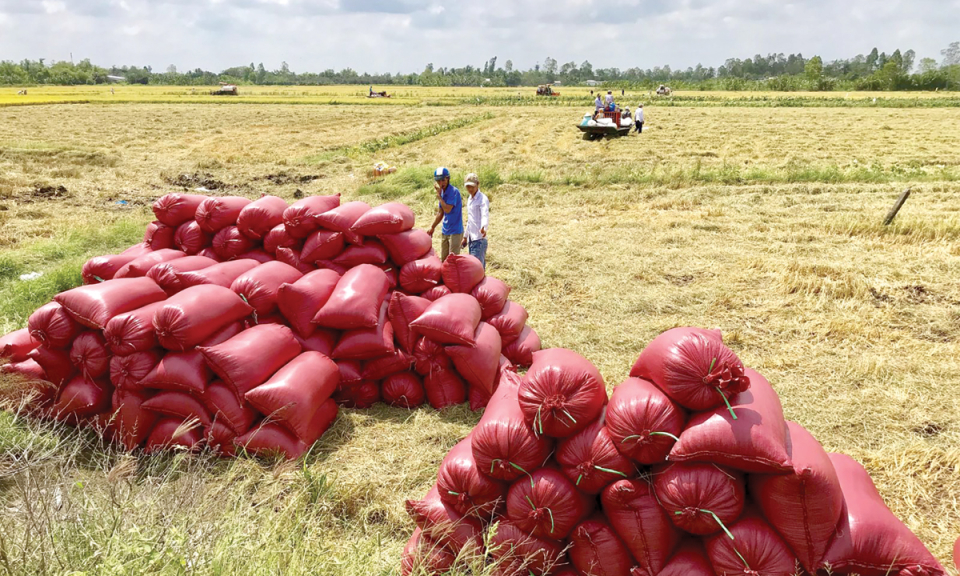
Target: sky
{"type": "Point", "coordinates": [405, 35]}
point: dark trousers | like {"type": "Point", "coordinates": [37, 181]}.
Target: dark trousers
{"type": "Point", "coordinates": [640, 127]}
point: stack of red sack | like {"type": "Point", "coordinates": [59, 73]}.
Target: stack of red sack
{"type": "Point", "coordinates": [688, 469]}
{"type": "Point", "coordinates": [239, 323]}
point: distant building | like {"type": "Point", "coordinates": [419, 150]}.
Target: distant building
{"type": "Point", "coordinates": [592, 83]}
{"type": "Point", "coordinates": [116, 79]}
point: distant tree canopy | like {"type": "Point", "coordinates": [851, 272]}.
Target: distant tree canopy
{"type": "Point", "coordinates": [875, 71]}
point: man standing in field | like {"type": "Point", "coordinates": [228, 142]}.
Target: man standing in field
{"type": "Point", "coordinates": [639, 118]}
{"type": "Point", "coordinates": [478, 219]}
{"type": "Point", "coordinates": [450, 212]}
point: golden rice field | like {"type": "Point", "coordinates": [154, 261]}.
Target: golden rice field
{"type": "Point", "coordinates": [764, 222]}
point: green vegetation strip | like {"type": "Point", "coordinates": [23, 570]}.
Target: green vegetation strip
{"type": "Point", "coordinates": [854, 101]}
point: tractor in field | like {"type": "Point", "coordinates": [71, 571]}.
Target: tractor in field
{"type": "Point", "coordinates": [546, 90]}
{"type": "Point", "coordinates": [664, 90]}
{"type": "Point", "coordinates": [225, 90]}
{"type": "Point", "coordinates": [609, 123]}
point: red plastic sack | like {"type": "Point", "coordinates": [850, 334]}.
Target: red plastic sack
{"type": "Point", "coordinates": [693, 367]}
{"type": "Point", "coordinates": [389, 218]}
{"type": "Point", "coordinates": [755, 442]}
{"type": "Point", "coordinates": [52, 326]}
{"type": "Point", "coordinates": [55, 363]}
{"type": "Point", "coordinates": [322, 245]}
{"type": "Point", "coordinates": [222, 274]}
{"type": "Point", "coordinates": [700, 499]}
{"type": "Point", "coordinates": [477, 398]}
{"type": "Point", "coordinates": [363, 394]}
{"type": "Point", "coordinates": [870, 540]}
{"type": "Point", "coordinates": [230, 243]}
{"type": "Point", "coordinates": [407, 246]}
{"type": "Point", "coordinates": [444, 388]}
{"type": "Point", "coordinates": [428, 356]}
{"type": "Point", "coordinates": [178, 405]}
{"type": "Point", "coordinates": [194, 314]}
{"type": "Point", "coordinates": [461, 273]}
{"type": "Point", "coordinates": [478, 363]}
{"type": "Point", "coordinates": [436, 293]}
{"type": "Point", "coordinates": [228, 332]}
{"type": "Point", "coordinates": [956, 554]}
{"type": "Point", "coordinates": [546, 504]}
{"type": "Point", "coordinates": [755, 549]}
{"type": "Point", "coordinates": [159, 236]}
{"type": "Point", "coordinates": [251, 357]}
{"type": "Point", "coordinates": [166, 274]}
{"type": "Point", "coordinates": [17, 345]}
{"type": "Point", "coordinates": [590, 460]}
{"type": "Point", "coordinates": [296, 392]}
{"type": "Point", "coordinates": [367, 343]}
{"type": "Point", "coordinates": [690, 560]}
{"type": "Point", "coordinates": [102, 268]}
{"type": "Point", "coordinates": [561, 393]}
{"type": "Point", "coordinates": [89, 354]}
{"type": "Point", "coordinates": [278, 237]}
{"type": "Point", "coordinates": [139, 266]}
{"type": "Point", "coordinates": [371, 252]}
{"type": "Point", "coordinates": [642, 421]}
{"type": "Point", "coordinates": [82, 398]}
{"type": "Point", "coordinates": [596, 550]}
{"type": "Point", "coordinates": [183, 371]}
{"type": "Point", "coordinates": [220, 439]}
{"type": "Point", "coordinates": [257, 254]}
{"type": "Point", "coordinates": [380, 368]}
{"type": "Point", "coordinates": [452, 319]}
{"type": "Point", "coordinates": [322, 341]}
{"type": "Point", "coordinates": [133, 331]}
{"type": "Point", "coordinates": [173, 432]}
{"type": "Point", "coordinates": [441, 523]}
{"type": "Point", "coordinates": [342, 218]}
{"type": "Point", "coordinates": [259, 286]}
{"type": "Point", "coordinates": [355, 302]}
{"type": "Point", "coordinates": [492, 294]}
{"type": "Point", "coordinates": [260, 216]}
{"type": "Point", "coordinates": [424, 556]}
{"type": "Point", "coordinates": [214, 214]}
{"type": "Point", "coordinates": [225, 406]}
{"type": "Point", "coordinates": [805, 505]}
{"type": "Point", "coordinates": [300, 219]}
{"type": "Point", "coordinates": [209, 253]}
{"type": "Point", "coordinates": [632, 508]}
{"type": "Point", "coordinates": [94, 305]}
{"type": "Point", "coordinates": [191, 239]}
{"type": "Point", "coordinates": [519, 554]}
{"type": "Point", "coordinates": [403, 390]}
{"type": "Point", "coordinates": [504, 445]}
{"type": "Point", "coordinates": [132, 422]}
{"type": "Point", "coordinates": [291, 257]}
{"type": "Point", "coordinates": [509, 322]}
{"type": "Point", "coordinates": [126, 372]}
{"type": "Point", "coordinates": [403, 310]}
{"type": "Point", "coordinates": [464, 487]}
{"type": "Point", "coordinates": [175, 209]}
{"type": "Point", "coordinates": [521, 351]}
{"type": "Point", "coordinates": [420, 275]}
{"type": "Point", "coordinates": [300, 299]}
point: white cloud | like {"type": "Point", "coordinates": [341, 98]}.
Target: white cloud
{"type": "Point", "coordinates": [53, 6]}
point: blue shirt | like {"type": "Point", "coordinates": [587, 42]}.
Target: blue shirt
{"type": "Point", "coordinates": [452, 220]}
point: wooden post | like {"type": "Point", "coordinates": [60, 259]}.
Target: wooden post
{"type": "Point", "coordinates": [896, 207]}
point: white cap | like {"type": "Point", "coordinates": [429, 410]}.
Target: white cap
{"type": "Point", "coordinates": [471, 179]}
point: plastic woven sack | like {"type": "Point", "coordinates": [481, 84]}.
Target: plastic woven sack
{"type": "Point", "coordinates": [632, 508]}
{"type": "Point", "coordinates": [300, 219]}
{"type": "Point", "coordinates": [642, 421]}
{"type": "Point", "coordinates": [175, 209]}
{"type": "Point", "coordinates": [214, 214]}
{"type": "Point", "coordinates": [562, 393]}
{"type": "Point", "coordinates": [260, 216]}
{"type": "Point", "coordinates": [94, 305]}
{"type": "Point", "coordinates": [590, 459]}
{"type": "Point", "coordinates": [194, 314]}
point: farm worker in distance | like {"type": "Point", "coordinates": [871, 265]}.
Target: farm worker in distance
{"type": "Point", "coordinates": [450, 211]}
{"type": "Point", "coordinates": [478, 219]}
{"type": "Point", "coordinates": [598, 103]}
{"type": "Point", "coordinates": [639, 118]}
{"type": "Point", "coordinates": [609, 101]}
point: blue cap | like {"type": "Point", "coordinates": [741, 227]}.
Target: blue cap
{"type": "Point", "coordinates": [441, 173]}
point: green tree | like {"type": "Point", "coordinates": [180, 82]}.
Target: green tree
{"type": "Point", "coordinates": [813, 69]}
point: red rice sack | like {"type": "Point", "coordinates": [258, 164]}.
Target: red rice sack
{"type": "Point", "coordinates": [17, 345]}
{"type": "Point", "coordinates": [222, 274]}
{"type": "Point", "coordinates": [478, 364]}
{"type": "Point", "coordinates": [464, 487]}
{"type": "Point", "coordinates": [546, 504]}
{"type": "Point", "coordinates": [403, 390]}
{"type": "Point", "coordinates": [220, 439]}
{"type": "Point", "coordinates": [132, 422]}
{"type": "Point", "coordinates": [214, 214]}
{"type": "Point", "coordinates": [521, 351]}
{"type": "Point", "coordinates": [260, 216]}
{"type": "Point", "coordinates": [363, 394]}
{"type": "Point", "coordinates": [428, 356]}
{"type": "Point", "coordinates": [272, 440]}
{"type": "Point", "coordinates": [755, 442]}
{"type": "Point", "coordinates": [166, 274]}
{"type": "Point", "coordinates": [561, 393]}
{"type": "Point", "coordinates": [342, 218]}
{"type": "Point", "coordinates": [596, 550]}
{"type": "Point", "coordinates": [442, 523]}
{"type": "Point", "coordinates": [175, 209]}
{"type": "Point", "coordinates": [173, 432]}
{"type": "Point", "coordinates": [590, 460]}
{"type": "Point", "coordinates": [693, 367]}
{"type": "Point", "coordinates": [436, 293]}
{"type": "Point", "coordinates": [251, 357]}
{"type": "Point", "coordinates": [461, 273]}
{"type": "Point", "coordinates": [94, 305]}
{"type": "Point", "coordinates": [178, 405]}
{"type": "Point", "coordinates": [159, 236]}
{"type": "Point", "coordinates": [194, 314]}
{"type": "Point", "coordinates": [424, 556]}
{"type": "Point", "coordinates": [225, 406]}
{"type": "Point", "coordinates": [805, 505]}
{"type": "Point", "coordinates": [126, 372]}
{"type": "Point", "coordinates": [690, 560]}
{"type": "Point", "coordinates": [350, 372]}
{"type": "Point", "coordinates": [329, 265]}
{"type": "Point", "coordinates": [452, 319]}
{"type": "Point", "coordinates": [371, 252]}
{"type": "Point", "coordinates": [139, 266]}
{"type": "Point", "coordinates": [492, 294]}
{"type": "Point", "coordinates": [403, 310]}
{"type": "Point", "coordinates": [956, 554]}
{"type": "Point", "coordinates": [870, 540]}
{"type": "Point", "coordinates": [477, 398]}
{"type": "Point", "coordinates": [516, 553]}
{"type": "Point", "coordinates": [296, 392]}
{"type": "Point", "coordinates": [420, 275]}
{"type": "Point", "coordinates": [642, 421]}
{"type": "Point", "coordinates": [407, 246]}
{"type": "Point", "coordinates": [322, 341]}
{"type": "Point", "coordinates": [356, 301]}
{"type": "Point", "coordinates": [322, 245]}
{"type": "Point", "coordinates": [509, 322]}
{"type": "Point", "coordinates": [259, 287]}
{"type": "Point", "coordinates": [82, 398]}
{"type": "Point", "coordinates": [133, 331]}
{"type": "Point", "coordinates": [300, 299]}
{"type": "Point", "coordinates": [444, 388]}
{"type": "Point", "coordinates": [380, 368]}
{"type": "Point", "coordinates": [300, 219]}
{"type": "Point", "coordinates": [367, 343]}
{"type": "Point", "coordinates": [89, 354]}
{"type": "Point", "coordinates": [291, 256]}
{"type": "Point", "coordinates": [209, 253]}
{"type": "Point", "coordinates": [182, 371]}
{"type": "Point", "coordinates": [230, 243]}
{"type": "Point", "coordinates": [52, 326]}
{"type": "Point", "coordinates": [504, 445]}
{"type": "Point", "coordinates": [191, 239]}
{"type": "Point", "coordinates": [279, 238]}
{"type": "Point", "coordinates": [752, 547]}
{"type": "Point", "coordinates": [389, 218]}
{"type": "Point", "coordinates": [103, 268]}
{"type": "Point", "coordinates": [55, 362]}
{"type": "Point", "coordinates": [701, 499]}
{"type": "Point", "coordinates": [632, 508]}
{"type": "Point", "coordinates": [257, 254]}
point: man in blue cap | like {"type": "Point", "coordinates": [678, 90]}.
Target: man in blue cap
{"type": "Point", "coordinates": [450, 211]}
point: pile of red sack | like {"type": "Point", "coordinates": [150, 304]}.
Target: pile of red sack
{"type": "Point", "coordinates": [688, 469]}
{"type": "Point", "coordinates": [241, 323]}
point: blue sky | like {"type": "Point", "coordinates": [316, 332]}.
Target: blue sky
{"type": "Point", "coordinates": [403, 35]}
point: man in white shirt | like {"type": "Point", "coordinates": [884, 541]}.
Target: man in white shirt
{"type": "Point", "coordinates": [478, 219]}
{"type": "Point", "coordinates": [639, 118]}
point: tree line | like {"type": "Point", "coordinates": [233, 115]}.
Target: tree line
{"type": "Point", "coordinates": [873, 71]}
